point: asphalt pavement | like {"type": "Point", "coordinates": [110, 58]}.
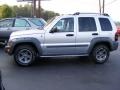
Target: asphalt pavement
{"type": "Point", "coordinates": [74, 73]}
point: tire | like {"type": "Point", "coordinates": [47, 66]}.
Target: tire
{"type": "Point", "coordinates": [1, 84]}
{"type": "Point", "coordinates": [24, 55]}
{"type": "Point", "coordinates": [100, 54]}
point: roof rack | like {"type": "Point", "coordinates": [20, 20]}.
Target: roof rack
{"type": "Point", "coordinates": [105, 14]}
{"type": "Point", "coordinates": [78, 13]}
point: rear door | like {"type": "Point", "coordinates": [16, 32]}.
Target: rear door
{"type": "Point", "coordinates": [87, 30]}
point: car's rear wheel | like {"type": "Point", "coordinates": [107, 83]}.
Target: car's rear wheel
{"type": "Point", "coordinates": [24, 55]}
{"type": "Point", "coordinates": [100, 54]}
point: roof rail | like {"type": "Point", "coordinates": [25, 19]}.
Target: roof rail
{"type": "Point", "coordinates": [78, 13]}
{"type": "Point", "coordinates": [105, 14]}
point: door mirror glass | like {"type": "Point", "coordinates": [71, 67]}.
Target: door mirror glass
{"type": "Point", "coordinates": [54, 30]}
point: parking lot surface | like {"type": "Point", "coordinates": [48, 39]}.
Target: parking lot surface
{"type": "Point", "coordinates": [74, 73]}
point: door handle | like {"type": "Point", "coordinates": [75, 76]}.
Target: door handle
{"type": "Point", "coordinates": [69, 35]}
{"type": "Point", "coordinates": [94, 33]}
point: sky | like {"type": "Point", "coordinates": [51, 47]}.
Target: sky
{"type": "Point", "coordinates": [112, 7]}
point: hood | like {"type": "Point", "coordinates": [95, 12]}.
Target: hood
{"type": "Point", "coordinates": [27, 32]}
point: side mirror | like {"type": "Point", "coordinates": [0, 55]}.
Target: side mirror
{"type": "Point", "coordinates": [54, 30]}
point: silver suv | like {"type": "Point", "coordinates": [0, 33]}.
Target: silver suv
{"type": "Point", "coordinates": [92, 35]}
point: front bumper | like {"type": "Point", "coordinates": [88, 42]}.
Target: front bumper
{"type": "Point", "coordinates": [8, 50]}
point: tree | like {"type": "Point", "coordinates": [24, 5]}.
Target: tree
{"type": "Point", "coordinates": [48, 14]}
{"type": "Point", "coordinates": [5, 11]}
{"type": "Point", "coordinates": [0, 11]}
{"type": "Point", "coordinates": [24, 11]}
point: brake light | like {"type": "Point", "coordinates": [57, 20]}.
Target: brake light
{"type": "Point", "coordinates": [116, 36]}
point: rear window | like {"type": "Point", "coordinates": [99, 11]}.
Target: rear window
{"type": "Point", "coordinates": [37, 21]}
{"type": "Point", "coordinates": [105, 24]}
{"type": "Point", "coordinates": [87, 24]}
{"type": "Point", "coordinates": [21, 23]}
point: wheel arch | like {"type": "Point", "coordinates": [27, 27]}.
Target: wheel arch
{"type": "Point", "coordinates": [100, 41]}
{"type": "Point", "coordinates": [25, 43]}
{"type": "Point", "coordinates": [29, 41]}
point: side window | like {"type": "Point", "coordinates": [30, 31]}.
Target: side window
{"type": "Point", "coordinates": [105, 24]}
{"type": "Point", "coordinates": [65, 25]}
{"type": "Point", "coordinates": [6, 23]}
{"type": "Point", "coordinates": [21, 23]}
{"type": "Point", "coordinates": [86, 24]}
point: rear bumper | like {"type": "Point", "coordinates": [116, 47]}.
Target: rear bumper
{"type": "Point", "coordinates": [114, 46]}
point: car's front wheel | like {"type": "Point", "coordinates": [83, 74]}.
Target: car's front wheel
{"type": "Point", "coordinates": [24, 55]}
{"type": "Point", "coordinates": [100, 54]}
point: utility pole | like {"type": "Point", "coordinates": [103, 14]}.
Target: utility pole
{"type": "Point", "coordinates": [34, 8]}
{"type": "Point", "coordinates": [103, 6]}
{"type": "Point", "coordinates": [100, 6]}
{"type": "Point", "coordinates": [31, 4]}
{"type": "Point", "coordinates": [34, 11]}
{"type": "Point", "coordinates": [39, 8]}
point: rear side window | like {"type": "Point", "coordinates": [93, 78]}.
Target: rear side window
{"type": "Point", "coordinates": [105, 24]}
{"type": "Point", "coordinates": [6, 23]}
{"type": "Point", "coordinates": [87, 24]}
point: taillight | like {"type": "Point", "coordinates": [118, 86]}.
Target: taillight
{"type": "Point", "coordinates": [116, 36]}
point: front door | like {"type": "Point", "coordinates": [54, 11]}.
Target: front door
{"type": "Point", "coordinates": [60, 40]}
